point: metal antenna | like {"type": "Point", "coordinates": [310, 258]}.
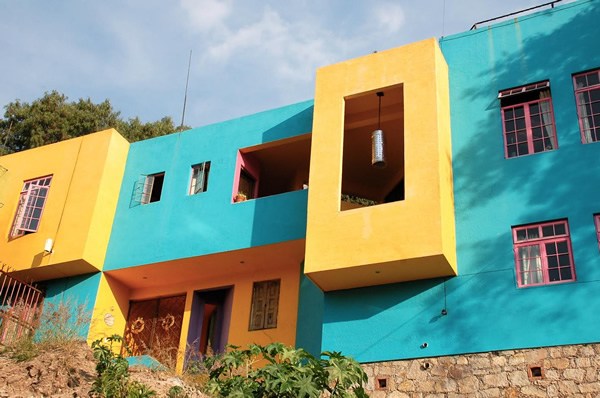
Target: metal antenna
{"type": "Point", "coordinates": [187, 80]}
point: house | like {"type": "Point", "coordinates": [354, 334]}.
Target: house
{"type": "Point", "coordinates": [434, 213]}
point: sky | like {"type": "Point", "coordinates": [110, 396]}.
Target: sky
{"type": "Point", "coordinates": [247, 55]}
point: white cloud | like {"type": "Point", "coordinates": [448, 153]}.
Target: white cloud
{"type": "Point", "coordinates": [206, 15]}
{"type": "Point", "coordinates": [389, 17]}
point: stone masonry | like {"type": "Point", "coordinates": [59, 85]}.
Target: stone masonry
{"type": "Point", "coordinates": [566, 371]}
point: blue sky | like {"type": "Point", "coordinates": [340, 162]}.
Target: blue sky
{"type": "Point", "coordinates": [247, 55]}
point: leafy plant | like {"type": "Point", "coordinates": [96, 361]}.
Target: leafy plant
{"type": "Point", "coordinates": [176, 392]}
{"type": "Point", "coordinates": [112, 379]}
{"type": "Point", "coordinates": [288, 373]}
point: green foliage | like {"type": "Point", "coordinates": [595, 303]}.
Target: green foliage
{"type": "Point", "coordinates": [176, 392]}
{"type": "Point", "coordinates": [112, 379]}
{"type": "Point", "coordinates": [23, 349]}
{"type": "Point", "coordinates": [139, 390]}
{"type": "Point", "coordinates": [287, 373]}
{"type": "Point", "coordinates": [52, 118]}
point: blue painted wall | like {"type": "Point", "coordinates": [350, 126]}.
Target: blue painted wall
{"type": "Point", "coordinates": [486, 310]}
{"type": "Point", "coordinates": [78, 294]}
{"type": "Point", "coordinates": [180, 225]}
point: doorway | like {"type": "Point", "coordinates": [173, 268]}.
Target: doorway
{"type": "Point", "coordinates": [209, 321]}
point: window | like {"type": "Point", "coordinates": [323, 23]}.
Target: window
{"type": "Point", "coordinates": [527, 119]}
{"type": "Point", "coordinates": [265, 302]}
{"type": "Point", "coordinates": [543, 253]}
{"type": "Point", "coordinates": [152, 188]}
{"type": "Point", "coordinates": [31, 205]}
{"type": "Point", "coordinates": [597, 222]}
{"type": "Point", "coordinates": [587, 94]}
{"type": "Point", "coordinates": [199, 181]}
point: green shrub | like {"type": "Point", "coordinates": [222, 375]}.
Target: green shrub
{"type": "Point", "coordinates": [112, 372]}
{"type": "Point", "coordinates": [287, 373]}
{"type": "Point", "coordinates": [176, 392]}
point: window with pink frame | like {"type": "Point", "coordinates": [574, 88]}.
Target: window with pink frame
{"type": "Point", "coordinates": [587, 95]}
{"type": "Point", "coordinates": [543, 253]}
{"type": "Point", "coordinates": [527, 120]}
{"type": "Point", "coordinates": [30, 207]}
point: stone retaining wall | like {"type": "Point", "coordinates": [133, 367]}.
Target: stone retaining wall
{"type": "Point", "coordinates": [567, 371]}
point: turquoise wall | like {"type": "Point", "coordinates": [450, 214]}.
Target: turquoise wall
{"type": "Point", "coordinates": [180, 225]}
{"type": "Point", "coordinates": [486, 310]}
{"type": "Point", "coordinates": [78, 294]}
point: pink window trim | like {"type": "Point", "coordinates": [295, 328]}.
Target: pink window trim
{"type": "Point", "coordinates": [245, 162]}
{"type": "Point", "coordinates": [597, 222]}
{"type": "Point", "coordinates": [580, 90]}
{"type": "Point", "coordinates": [542, 241]}
{"type": "Point", "coordinates": [28, 198]}
{"type": "Point", "coordinates": [528, 127]}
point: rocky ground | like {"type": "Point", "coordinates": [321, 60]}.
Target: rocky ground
{"type": "Point", "coordinates": [70, 372]}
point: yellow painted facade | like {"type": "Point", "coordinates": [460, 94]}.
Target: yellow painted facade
{"type": "Point", "coordinates": [78, 214]}
{"type": "Point", "coordinates": [399, 241]}
{"type": "Point", "coordinates": [187, 276]}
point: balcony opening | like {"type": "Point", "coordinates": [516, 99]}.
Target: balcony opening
{"type": "Point", "coordinates": [272, 168]}
{"type": "Point", "coordinates": [362, 183]}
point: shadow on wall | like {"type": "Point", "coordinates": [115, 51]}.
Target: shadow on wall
{"type": "Point", "coordinates": [485, 309]}
{"type": "Point", "coordinates": [479, 163]}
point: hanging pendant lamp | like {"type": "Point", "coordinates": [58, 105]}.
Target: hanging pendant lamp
{"type": "Point", "coordinates": [377, 141]}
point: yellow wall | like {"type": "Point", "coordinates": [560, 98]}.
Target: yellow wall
{"type": "Point", "coordinates": [114, 293]}
{"type": "Point", "coordinates": [78, 215]}
{"type": "Point", "coordinates": [399, 241]}
{"type": "Point", "coordinates": [110, 310]}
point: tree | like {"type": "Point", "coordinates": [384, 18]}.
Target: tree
{"type": "Point", "coordinates": [52, 118]}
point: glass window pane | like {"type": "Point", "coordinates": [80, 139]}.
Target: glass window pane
{"type": "Point", "coordinates": [511, 138]}
{"type": "Point", "coordinates": [509, 125]}
{"type": "Point", "coordinates": [553, 275]}
{"type": "Point", "coordinates": [533, 233]}
{"type": "Point", "coordinates": [521, 235]}
{"type": "Point", "coordinates": [595, 94]}
{"type": "Point", "coordinates": [522, 136]}
{"type": "Point", "coordinates": [580, 81]}
{"type": "Point", "coordinates": [565, 274]}
{"type": "Point", "coordinates": [520, 123]}
{"type": "Point", "coordinates": [511, 151]}
{"type": "Point", "coordinates": [562, 247]}
{"type": "Point", "coordinates": [535, 120]}
{"type": "Point", "coordinates": [548, 230]}
{"type": "Point", "coordinates": [560, 229]}
{"type": "Point", "coordinates": [519, 111]}
{"type": "Point", "coordinates": [564, 260]}
{"type": "Point", "coordinates": [550, 248]}
{"type": "Point", "coordinates": [534, 108]}
{"type": "Point", "coordinates": [523, 149]}
{"type": "Point", "coordinates": [593, 78]}
{"type": "Point", "coordinates": [552, 262]}
{"type": "Point", "coordinates": [538, 146]}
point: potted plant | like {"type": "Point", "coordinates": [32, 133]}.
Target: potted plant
{"type": "Point", "coordinates": [240, 197]}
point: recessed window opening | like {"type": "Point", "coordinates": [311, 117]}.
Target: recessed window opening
{"type": "Point", "coordinates": [153, 188]}
{"type": "Point", "coordinates": [528, 120]}
{"type": "Point", "coordinates": [373, 129]}
{"type": "Point", "coordinates": [587, 95]}
{"type": "Point", "coordinates": [32, 201]}
{"type": "Point", "coordinates": [199, 181]}
{"type": "Point", "coordinates": [381, 383]}
{"type": "Point", "coordinates": [535, 372]}
{"type": "Point", "coordinates": [273, 168]}
{"type": "Point", "coordinates": [265, 305]}
{"type": "Point", "coordinates": [543, 253]}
